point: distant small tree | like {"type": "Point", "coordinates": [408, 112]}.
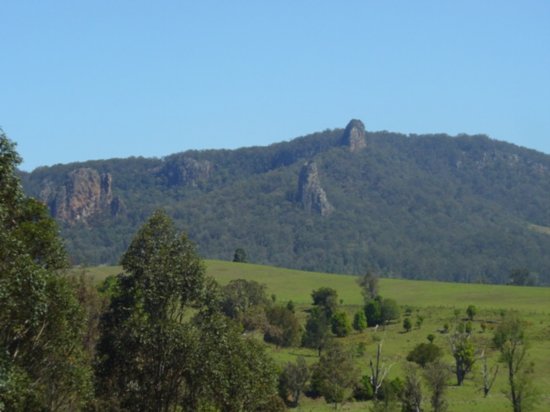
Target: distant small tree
{"type": "Point", "coordinates": [327, 299]}
{"type": "Point", "coordinates": [317, 331]}
{"type": "Point", "coordinates": [240, 256]}
{"type": "Point", "coordinates": [407, 325]}
{"type": "Point", "coordinates": [340, 324]}
{"type": "Point", "coordinates": [293, 381]}
{"type": "Point", "coordinates": [389, 311]}
{"type": "Point", "coordinates": [369, 286]}
{"type": "Point", "coordinates": [359, 321]}
{"type": "Point", "coordinates": [424, 353]}
{"type": "Point", "coordinates": [373, 312]}
{"type": "Point", "coordinates": [283, 327]}
{"type": "Point", "coordinates": [521, 277]}
{"type": "Point", "coordinates": [471, 311]}
{"type": "Point", "coordinates": [240, 295]}
{"type": "Point", "coordinates": [464, 355]}
{"type": "Point", "coordinates": [431, 338]}
{"type": "Point", "coordinates": [335, 374]}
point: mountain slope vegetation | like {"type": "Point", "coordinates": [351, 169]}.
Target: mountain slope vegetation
{"type": "Point", "coordinates": [462, 208]}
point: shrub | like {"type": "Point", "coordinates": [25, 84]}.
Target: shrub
{"type": "Point", "coordinates": [424, 353]}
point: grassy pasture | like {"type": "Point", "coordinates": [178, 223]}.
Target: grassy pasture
{"type": "Point", "coordinates": [436, 302]}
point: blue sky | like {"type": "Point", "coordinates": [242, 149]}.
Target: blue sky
{"type": "Point", "coordinates": [100, 79]}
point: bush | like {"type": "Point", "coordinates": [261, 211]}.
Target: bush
{"type": "Point", "coordinates": [471, 311]}
{"type": "Point", "coordinates": [424, 353]}
{"type": "Point", "coordinates": [407, 325]}
{"type": "Point", "coordinates": [340, 325]}
{"type": "Point", "coordinates": [359, 321]}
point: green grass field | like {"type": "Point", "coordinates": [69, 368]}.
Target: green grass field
{"type": "Point", "coordinates": [436, 302]}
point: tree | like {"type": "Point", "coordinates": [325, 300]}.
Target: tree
{"type": "Point", "coordinates": [373, 312]}
{"type": "Point", "coordinates": [378, 370]}
{"type": "Point", "coordinates": [407, 325]}
{"type": "Point", "coordinates": [437, 374]}
{"type": "Point", "coordinates": [327, 299]}
{"type": "Point", "coordinates": [488, 376]}
{"type": "Point", "coordinates": [283, 327]}
{"type": "Point", "coordinates": [293, 380]}
{"type": "Point", "coordinates": [359, 321]}
{"type": "Point", "coordinates": [389, 310]}
{"type": "Point", "coordinates": [521, 277]}
{"type": "Point", "coordinates": [226, 371]}
{"type": "Point", "coordinates": [509, 339]}
{"type": "Point", "coordinates": [471, 311]}
{"type": "Point", "coordinates": [369, 286]}
{"type": "Point", "coordinates": [424, 353]}
{"type": "Point", "coordinates": [144, 350]}
{"type": "Point", "coordinates": [43, 364]}
{"type": "Point", "coordinates": [463, 353]}
{"type": "Point", "coordinates": [340, 325]}
{"type": "Point", "coordinates": [240, 256]}
{"type": "Point", "coordinates": [411, 396]}
{"type": "Point", "coordinates": [317, 330]}
{"type": "Point", "coordinates": [335, 374]}
{"type": "Point", "coordinates": [241, 294]}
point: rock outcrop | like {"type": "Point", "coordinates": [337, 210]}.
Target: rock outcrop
{"type": "Point", "coordinates": [186, 171]}
{"type": "Point", "coordinates": [84, 194]}
{"type": "Point", "coordinates": [310, 193]}
{"type": "Point", "coordinates": [354, 136]}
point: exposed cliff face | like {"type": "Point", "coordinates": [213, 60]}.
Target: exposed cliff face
{"type": "Point", "coordinates": [310, 193]}
{"type": "Point", "coordinates": [354, 136]}
{"type": "Point", "coordinates": [84, 194]}
{"type": "Point", "coordinates": [186, 171]}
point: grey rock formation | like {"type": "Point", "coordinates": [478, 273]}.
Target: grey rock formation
{"type": "Point", "coordinates": [186, 171]}
{"type": "Point", "coordinates": [84, 194]}
{"type": "Point", "coordinates": [310, 193]}
{"type": "Point", "coordinates": [354, 136]}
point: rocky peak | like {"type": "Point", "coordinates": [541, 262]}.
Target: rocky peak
{"type": "Point", "coordinates": [84, 194]}
{"type": "Point", "coordinates": [186, 171]}
{"type": "Point", "coordinates": [354, 136]}
{"type": "Point", "coordinates": [310, 193]}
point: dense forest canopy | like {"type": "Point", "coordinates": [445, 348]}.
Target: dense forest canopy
{"type": "Point", "coordinates": [462, 208]}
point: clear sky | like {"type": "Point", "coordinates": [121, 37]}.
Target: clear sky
{"type": "Point", "coordinates": [100, 79]}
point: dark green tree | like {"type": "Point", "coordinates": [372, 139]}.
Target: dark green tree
{"type": "Point", "coordinates": [283, 327]}
{"type": "Point", "coordinates": [407, 324]}
{"type": "Point", "coordinates": [240, 295]}
{"type": "Point", "coordinates": [424, 353]}
{"type": "Point", "coordinates": [43, 364]}
{"type": "Point", "coordinates": [317, 332]}
{"type": "Point", "coordinates": [240, 256]}
{"type": "Point", "coordinates": [327, 299]}
{"type": "Point", "coordinates": [144, 349]}
{"type": "Point", "coordinates": [471, 311]}
{"type": "Point", "coordinates": [335, 374]}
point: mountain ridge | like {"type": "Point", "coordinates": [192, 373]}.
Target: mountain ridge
{"type": "Point", "coordinates": [419, 206]}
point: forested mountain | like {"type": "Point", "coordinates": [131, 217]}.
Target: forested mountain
{"type": "Point", "coordinates": [462, 208]}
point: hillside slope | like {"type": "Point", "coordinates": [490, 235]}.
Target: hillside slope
{"type": "Point", "coordinates": [463, 208]}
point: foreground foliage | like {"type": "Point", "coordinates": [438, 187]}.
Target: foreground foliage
{"type": "Point", "coordinates": [43, 362]}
